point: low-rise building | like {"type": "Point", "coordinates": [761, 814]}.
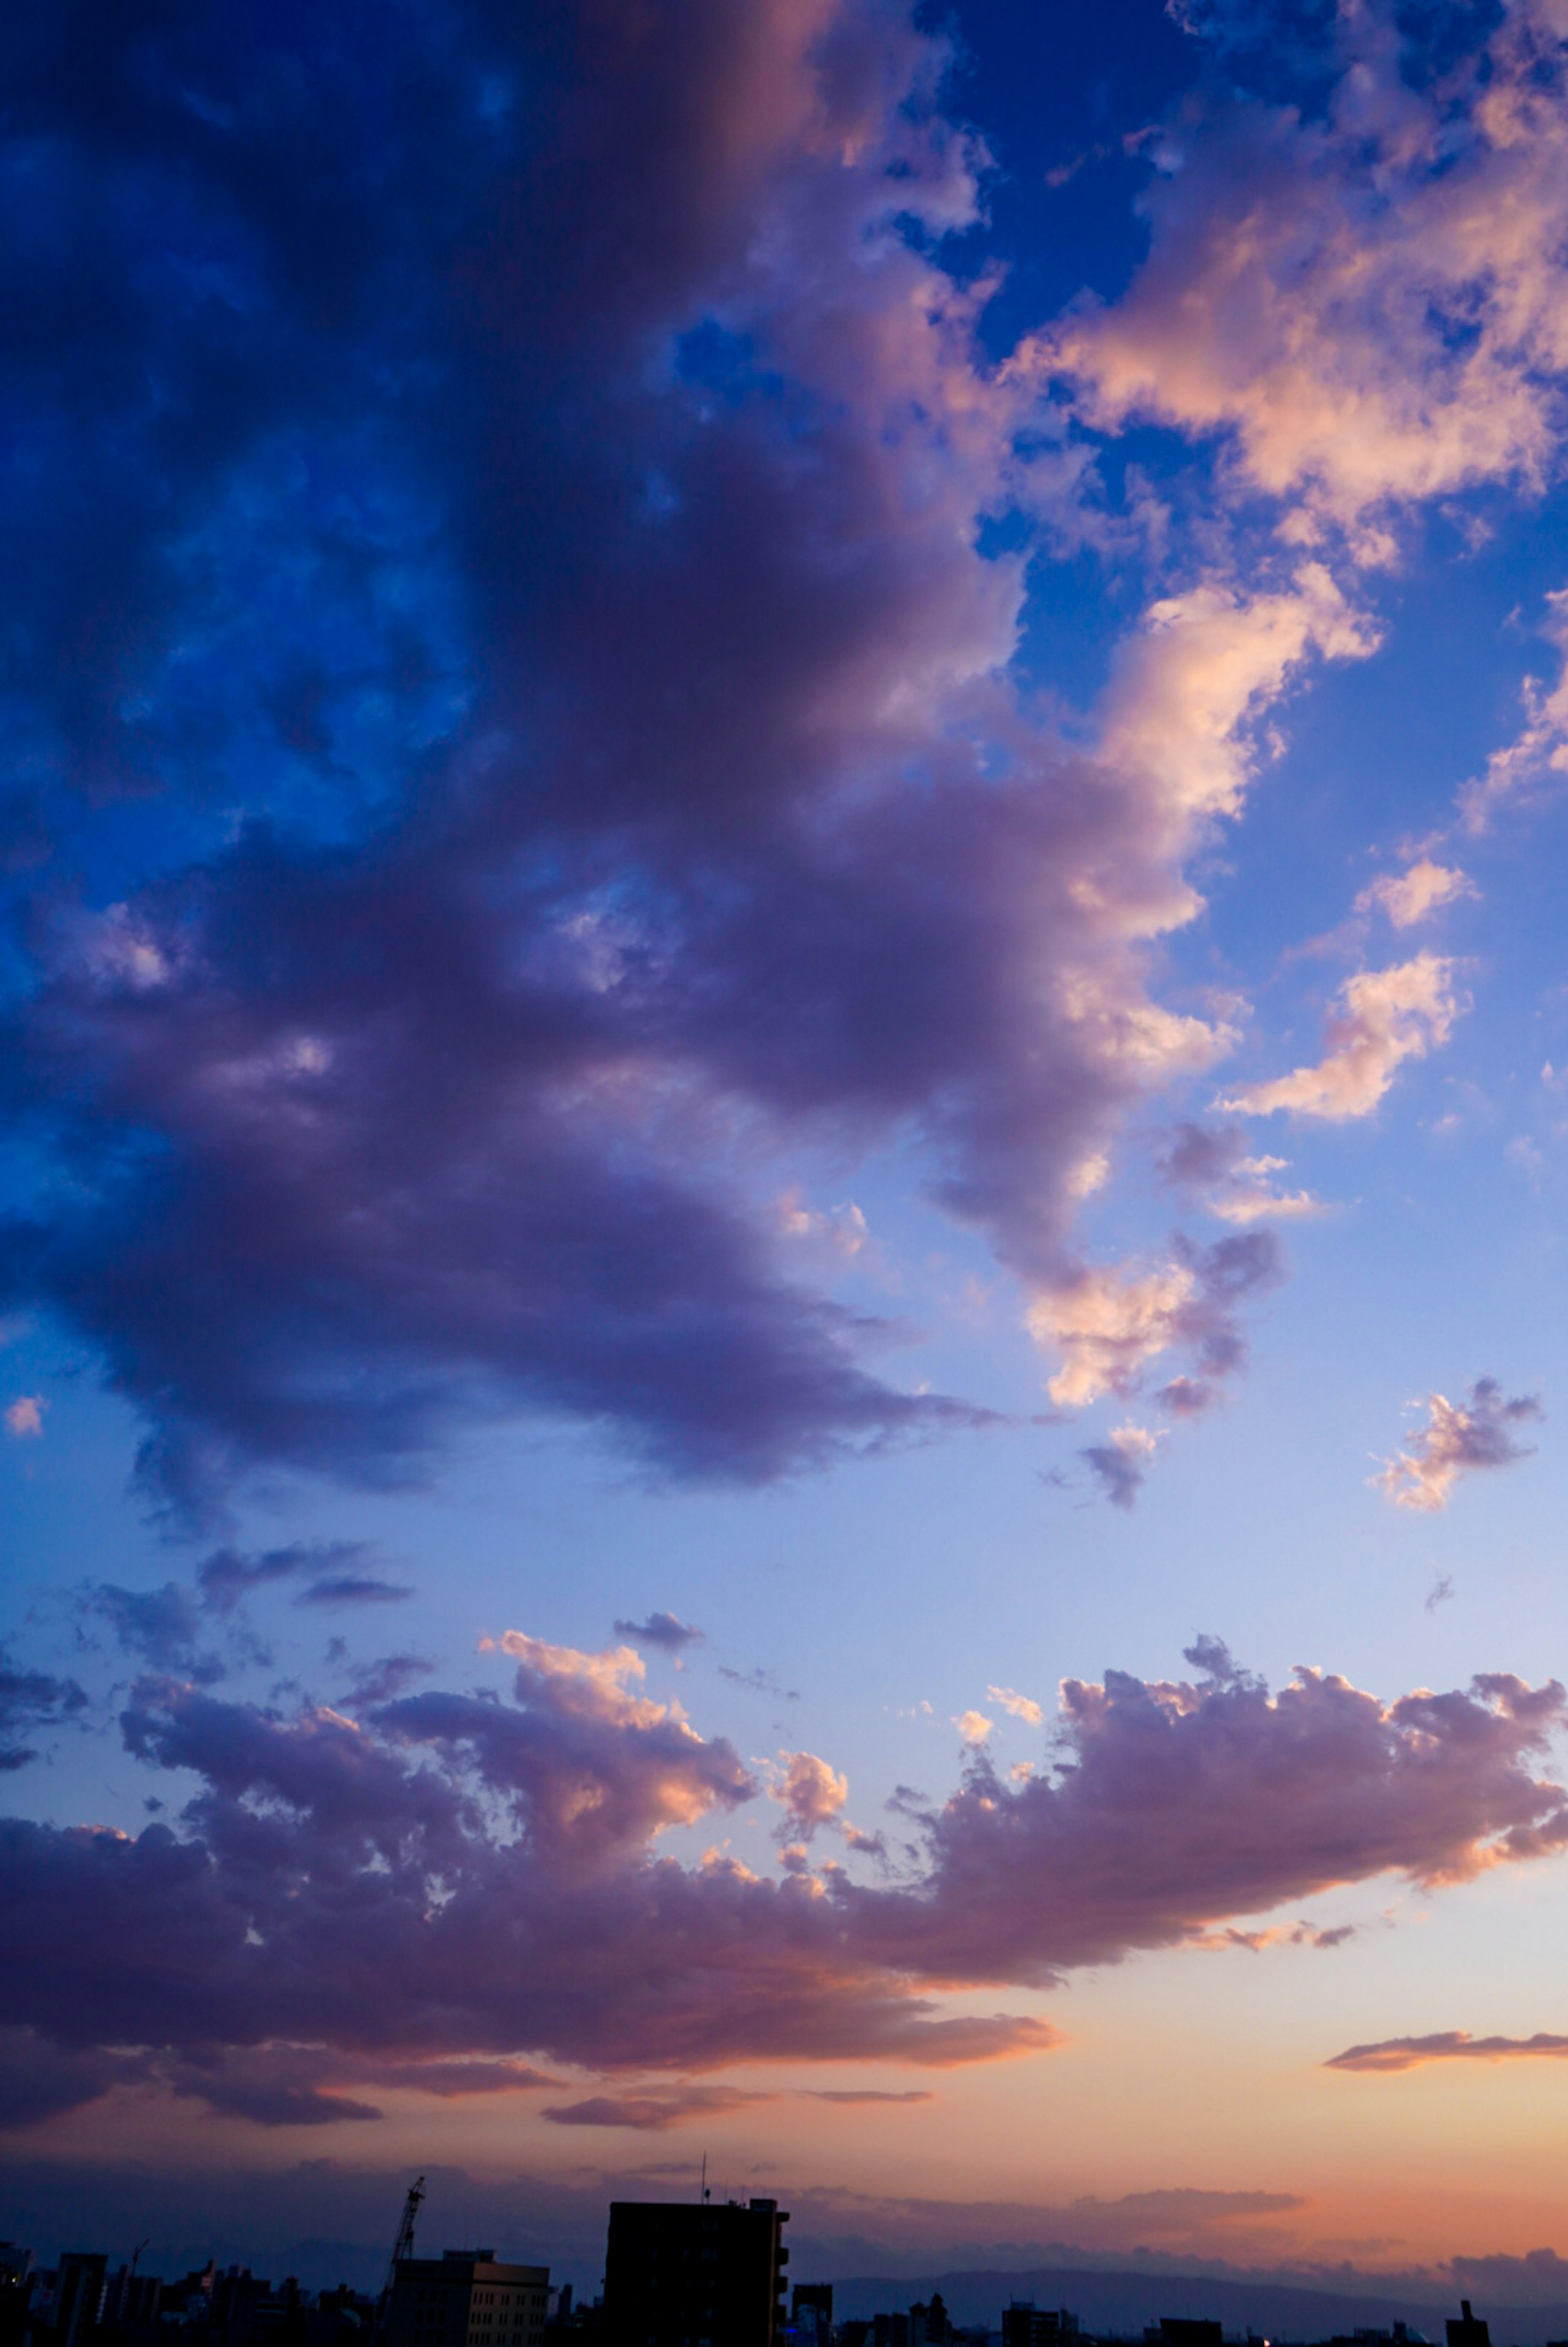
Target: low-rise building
{"type": "Point", "coordinates": [466, 2298]}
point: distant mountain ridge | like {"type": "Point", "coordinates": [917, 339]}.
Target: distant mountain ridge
{"type": "Point", "coordinates": [1124, 2302]}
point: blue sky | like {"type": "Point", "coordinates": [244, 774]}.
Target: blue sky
{"type": "Point", "coordinates": [784, 1023]}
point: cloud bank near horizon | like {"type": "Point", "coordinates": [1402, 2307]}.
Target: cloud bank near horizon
{"type": "Point", "coordinates": [450, 1888]}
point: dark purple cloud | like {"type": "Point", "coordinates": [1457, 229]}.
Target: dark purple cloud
{"type": "Point", "coordinates": [656, 2110]}
{"type": "Point", "coordinates": [30, 1700]}
{"type": "Point", "coordinates": [544, 603]}
{"type": "Point", "coordinates": [354, 1589]}
{"type": "Point", "coordinates": [1448, 2045]}
{"type": "Point", "coordinates": [665, 1630]}
{"type": "Point", "coordinates": [229, 1575]}
{"type": "Point", "coordinates": [383, 1681]}
{"type": "Point", "coordinates": [455, 1879]}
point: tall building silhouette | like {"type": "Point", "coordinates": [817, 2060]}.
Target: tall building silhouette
{"type": "Point", "coordinates": [683, 2273]}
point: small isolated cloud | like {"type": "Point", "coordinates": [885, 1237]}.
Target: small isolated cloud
{"type": "Point", "coordinates": [664, 1630]}
{"type": "Point", "coordinates": [653, 2113]}
{"type": "Point", "coordinates": [1385, 1017]}
{"type": "Point", "coordinates": [759, 1681]}
{"type": "Point", "coordinates": [1448, 2045]}
{"type": "Point", "coordinates": [353, 1589]}
{"type": "Point", "coordinates": [1121, 1461]}
{"type": "Point", "coordinates": [973, 1727]}
{"type": "Point", "coordinates": [24, 1417]}
{"type": "Point", "coordinates": [1410, 897]}
{"type": "Point", "coordinates": [1440, 1592]}
{"type": "Point", "coordinates": [866, 2094]}
{"type": "Point", "coordinates": [1456, 1438]}
{"type": "Point", "coordinates": [1021, 1707]}
{"type": "Point", "coordinates": [812, 1795]}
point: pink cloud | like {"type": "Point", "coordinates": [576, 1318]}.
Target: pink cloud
{"type": "Point", "coordinates": [1457, 1439]}
{"type": "Point", "coordinates": [1412, 896]}
{"type": "Point", "coordinates": [1386, 1016]}
{"type": "Point", "coordinates": [25, 1415]}
{"type": "Point", "coordinates": [1111, 1322]}
{"type": "Point", "coordinates": [812, 1793]}
{"type": "Point", "coordinates": [1305, 272]}
{"type": "Point", "coordinates": [453, 1882]}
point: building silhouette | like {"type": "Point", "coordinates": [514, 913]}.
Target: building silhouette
{"type": "Point", "coordinates": [1466, 2329]}
{"type": "Point", "coordinates": [812, 2311]}
{"type": "Point", "coordinates": [80, 2282]}
{"type": "Point", "coordinates": [685, 2273]}
{"type": "Point", "coordinates": [465, 2299]}
{"type": "Point", "coordinates": [1024, 2324]}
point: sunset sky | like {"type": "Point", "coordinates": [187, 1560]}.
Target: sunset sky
{"type": "Point", "coordinates": [783, 830]}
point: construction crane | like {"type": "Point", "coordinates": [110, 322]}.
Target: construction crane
{"type": "Point", "coordinates": [401, 2248]}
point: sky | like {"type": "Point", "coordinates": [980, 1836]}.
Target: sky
{"type": "Point", "coordinates": [785, 1049]}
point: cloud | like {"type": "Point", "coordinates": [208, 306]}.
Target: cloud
{"type": "Point", "coordinates": [854, 2095]}
{"type": "Point", "coordinates": [1414, 895]}
{"type": "Point", "coordinates": [1386, 1016]}
{"type": "Point", "coordinates": [654, 2112]}
{"type": "Point", "coordinates": [1448, 2045]}
{"type": "Point", "coordinates": [164, 1626]}
{"type": "Point", "coordinates": [1457, 1438]}
{"type": "Point", "coordinates": [1112, 1322]}
{"type": "Point", "coordinates": [30, 1700]}
{"type": "Point", "coordinates": [25, 1415]}
{"type": "Point", "coordinates": [665, 1630]}
{"type": "Point", "coordinates": [1538, 754]}
{"type": "Point", "coordinates": [1121, 1461]}
{"type": "Point", "coordinates": [365, 1146]}
{"type": "Point", "coordinates": [353, 1589]}
{"type": "Point", "coordinates": [383, 1681]}
{"type": "Point", "coordinates": [502, 1859]}
{"type": "Point", "coordinates": [1021, 1707]}
{"type": "Point", "coordinates": [1213, 1163]}
{"type": "Point", "coordinates": [328, 1567]}
{"type": "Point", "coordinates": [1274, 1935]}
{"type": "Point", "coordinates": [1193, 685]}
{"type": "Point", "coordinates": [973, 1727]}
{"type": "Point", "coordinates": [812, 1794]}
{"type": "Point", "coordinates": [1358, 303]}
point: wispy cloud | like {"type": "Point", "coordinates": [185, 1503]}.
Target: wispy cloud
{"type": "Point", "coordinates": [1388, 2053]}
